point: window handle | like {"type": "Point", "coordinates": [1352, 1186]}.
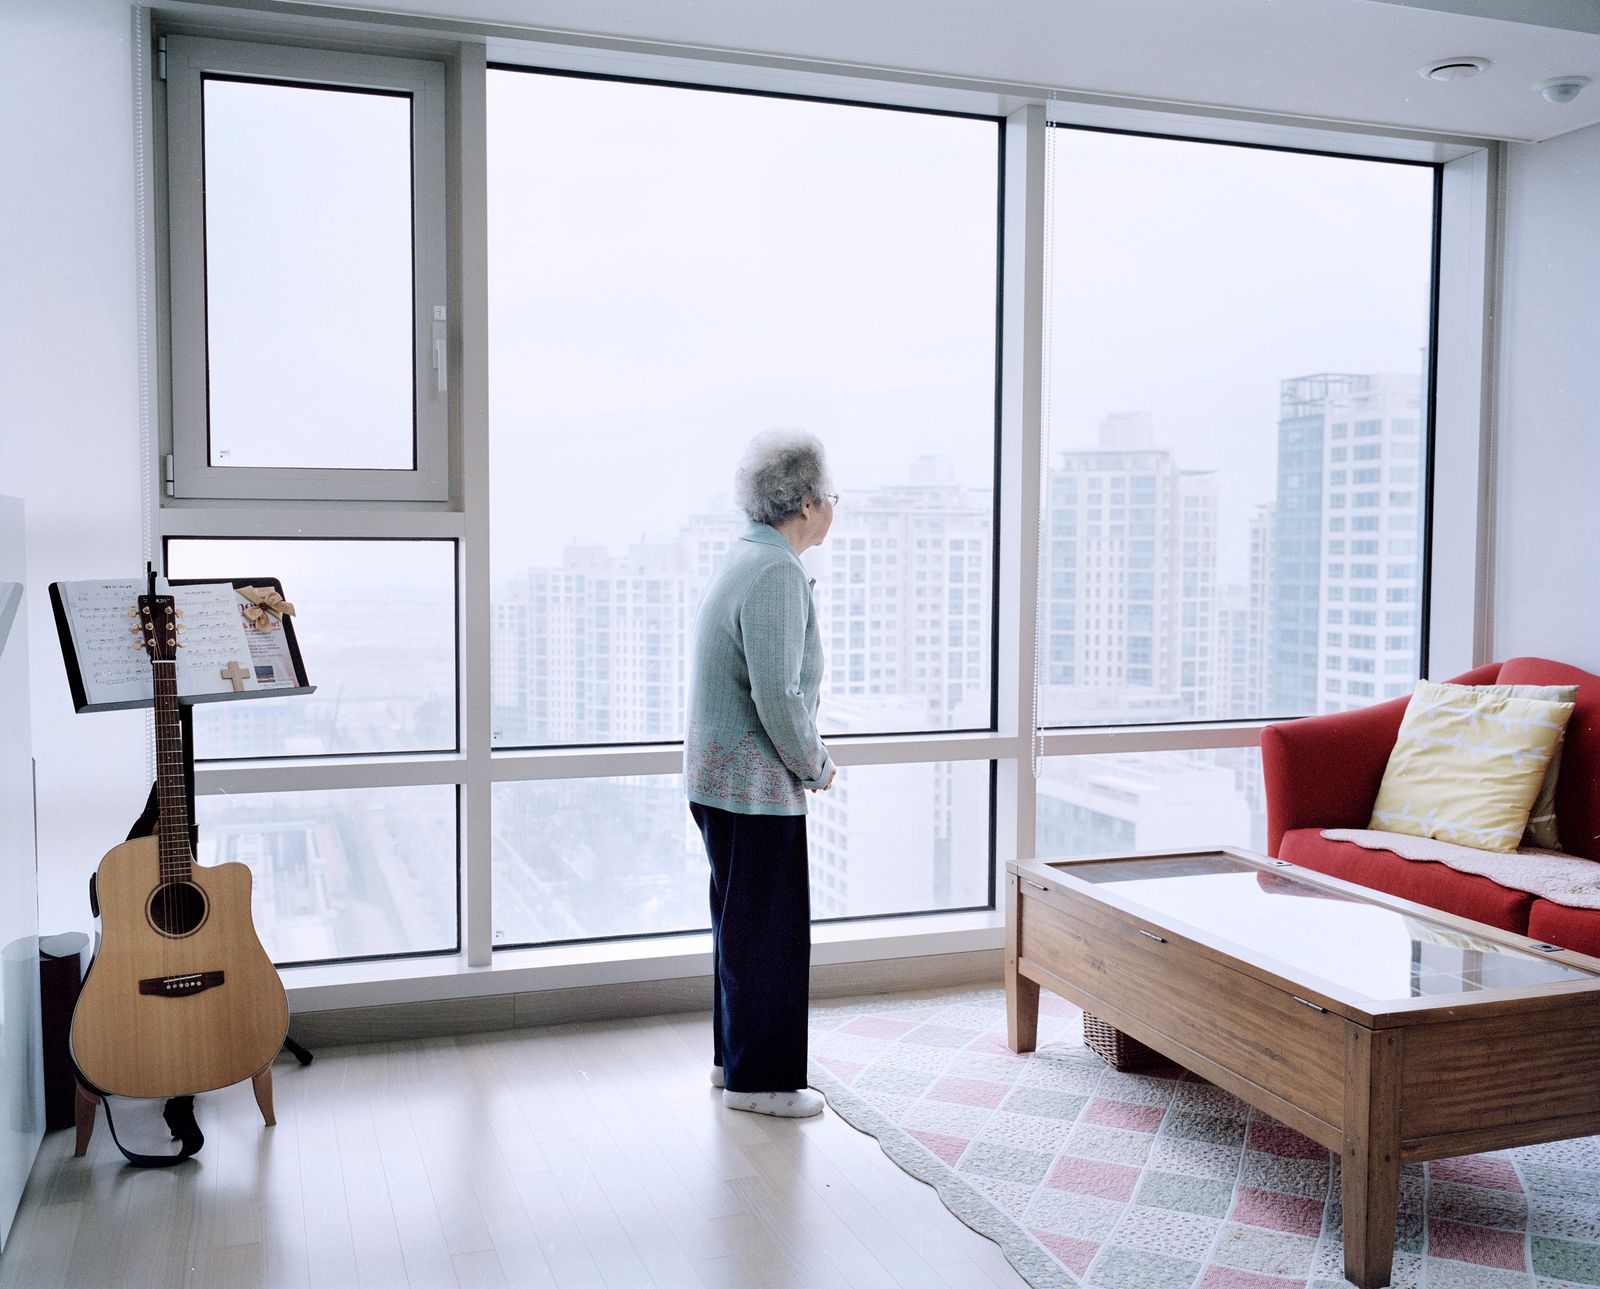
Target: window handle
{"type": "Point", "coordinates": [441, 359]}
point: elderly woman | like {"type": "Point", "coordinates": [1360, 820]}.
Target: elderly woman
{"type": "Point", "coordinates": [751, 755]}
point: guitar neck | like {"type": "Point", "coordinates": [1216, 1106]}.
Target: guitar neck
{"type": "Point", "coordinates": [172, 794]}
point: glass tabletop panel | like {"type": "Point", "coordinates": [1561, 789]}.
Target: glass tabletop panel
{"type": "Point", "coordinates": [1375, 951]}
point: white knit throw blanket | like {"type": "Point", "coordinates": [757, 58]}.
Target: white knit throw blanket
{"type": "Point", "coordinates": [1560, 878]}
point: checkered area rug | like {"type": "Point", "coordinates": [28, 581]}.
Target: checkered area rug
{"type": "Point", "coordinates": [1084, 1176]}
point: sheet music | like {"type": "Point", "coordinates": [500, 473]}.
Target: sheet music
{"type": "Point", "coordinates": [216, 637]}
{"type": "Point", "coordinates": [97, 613]}
{"type": "Point", "coordinates": [213, 639]}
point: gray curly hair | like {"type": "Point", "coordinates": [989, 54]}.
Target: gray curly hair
{"type": "Point", "coordinates": [781, 471]}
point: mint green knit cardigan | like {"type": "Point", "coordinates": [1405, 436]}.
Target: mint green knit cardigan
{"type": "Point", "coordinates": [755, 672]}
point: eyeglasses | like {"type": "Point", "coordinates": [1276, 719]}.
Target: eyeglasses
{"type": "Point", "coordinates": [832, 498]}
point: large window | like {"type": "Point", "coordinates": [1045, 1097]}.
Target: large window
{"type": "Point", "coordinates": [1238, 430]}
{"type": "Point", "coordinates": [672, 270]}
{"type": "Point", "coordinates": [466, 356]}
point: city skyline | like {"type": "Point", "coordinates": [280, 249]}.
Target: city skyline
{"type": "Point", "coordinates": [595, 650]}
{"type": "Point", "coordinates": [1156, 615]}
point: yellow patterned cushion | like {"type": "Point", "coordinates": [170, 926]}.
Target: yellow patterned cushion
{"type": "Point", "coordinates": [1467, 765]}
{"type": "Point", "coordinates": [1542, 817]}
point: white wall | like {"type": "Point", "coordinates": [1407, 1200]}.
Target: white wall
{"type": "Point", "coordinates": [69, 429]}
{"type": "Point", "coordinates": [1547, 569]}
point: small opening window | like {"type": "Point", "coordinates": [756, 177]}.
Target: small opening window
{"type": "Point", "coordinates": [309, 316]}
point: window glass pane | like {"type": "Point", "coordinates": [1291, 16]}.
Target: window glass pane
{"type": "Point", "coordinates": [309, 327]}
{"type": "Point", "coordinates": [900, 839]}
{"type": "Point", "coordinates": [1227, 325]}
{"type": "Point", "coordinates": [345, 874]}
{"type": "Point", "coordinates": [581, 859]}
{"type": "Point", "coordinates": [578, 859]}
{"type": "Point", "coordinates": [658, 294]}
{"type": "Point", "coordinates": [1127, 801]}
{"type": "Point", "coordinates": [376, 625]}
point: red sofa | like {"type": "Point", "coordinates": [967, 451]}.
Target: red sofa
{"type": "Point", "coordinates": [1324, 772]}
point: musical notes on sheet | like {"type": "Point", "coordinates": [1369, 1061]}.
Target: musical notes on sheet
{"type": "Point", "coordinates": [215, 634]}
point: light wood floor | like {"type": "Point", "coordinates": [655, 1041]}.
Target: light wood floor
{"type": "Point", "coordinates": [576, 1155]}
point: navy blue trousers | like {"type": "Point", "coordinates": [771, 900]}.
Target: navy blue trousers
{"type": "Point", "coordinates": [760, 946]}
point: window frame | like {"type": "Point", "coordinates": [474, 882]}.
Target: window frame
{"type": "Point", "coordinates": [189, 62]}
{"type": "Point", "coordinates": [1458, 598]}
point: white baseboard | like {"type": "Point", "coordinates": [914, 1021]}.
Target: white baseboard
{"type": "Point", "coordinates": [430, 1019]}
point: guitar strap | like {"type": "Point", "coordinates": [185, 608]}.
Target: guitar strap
{"type": "Point", "coordinates": [179, 1114]}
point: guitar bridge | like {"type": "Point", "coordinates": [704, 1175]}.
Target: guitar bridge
{"type": "Point", "coordinates": [176, 986]}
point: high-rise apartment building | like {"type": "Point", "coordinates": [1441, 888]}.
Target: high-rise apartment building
{"type": "Point", "coordinates": [1371, 558]}
{"type": "Point", "coordinates": [1105, 804]}
{"type": "Point", "coordinates": [1298, 533]}
{"type": "Point", "coordinates": [1132, 566]}
{"type": "Point", "coordinates": [873, 814]}
{"type": "Point", "coordinates": [903, 599]}
{"type": "Point", "coordinates": [1263, 571]}
{"type": "Point", "coordinates": [1234, 674]}
{"type": "Point", "coordinates": [594, 651]}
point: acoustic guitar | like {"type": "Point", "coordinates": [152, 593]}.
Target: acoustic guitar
{"type": "Point", "coordinates": [181, 997]}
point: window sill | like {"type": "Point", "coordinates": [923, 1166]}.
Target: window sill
{"type": "Point", "coordinates": [618, 962]}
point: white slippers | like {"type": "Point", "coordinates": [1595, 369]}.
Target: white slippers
{"type": "Point", "coordinates": [801, 1103]}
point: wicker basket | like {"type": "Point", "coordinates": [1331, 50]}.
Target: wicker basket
{"type": "Point", "coordinates": [1115, 1048]}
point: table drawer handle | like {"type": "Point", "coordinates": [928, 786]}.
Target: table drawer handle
{"type": "Point", "coordinates": [1306, 1002]}
{"type": "Point", "coordinates": [1036, 886]}
{"type": "Point", "coordinates": [1159, 939]}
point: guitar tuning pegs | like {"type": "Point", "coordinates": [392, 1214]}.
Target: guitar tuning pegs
{"type": "Point", "coordinates": [180, 628]}
{"type": "Point", "coordinates": [180, 613]}
{"type": "Point", "coordinates": [133, 613]}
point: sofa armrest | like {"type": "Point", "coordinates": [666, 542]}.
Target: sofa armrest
{"type": "Point", "coordinates": [1324, 771]}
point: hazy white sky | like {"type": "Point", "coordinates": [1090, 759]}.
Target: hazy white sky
{"type": "Point", "coordinates": [1189, 279]}
{"type": "Point", "coordinates": [308, 276]}
{"type": "Point", "coordinates": [673, 270]}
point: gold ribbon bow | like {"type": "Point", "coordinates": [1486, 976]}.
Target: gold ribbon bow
{"type": "Point", "coordinates": [266, 606]}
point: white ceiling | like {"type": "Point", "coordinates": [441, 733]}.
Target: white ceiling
{"type": "Point", "coordinates": [1349, 61]}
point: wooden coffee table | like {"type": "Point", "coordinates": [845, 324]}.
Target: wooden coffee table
{"type": "Point", "coordinates": [1385, 1030]}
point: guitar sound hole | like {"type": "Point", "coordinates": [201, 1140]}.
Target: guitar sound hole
{"type": "Point", "coordinates": [176, 908]}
